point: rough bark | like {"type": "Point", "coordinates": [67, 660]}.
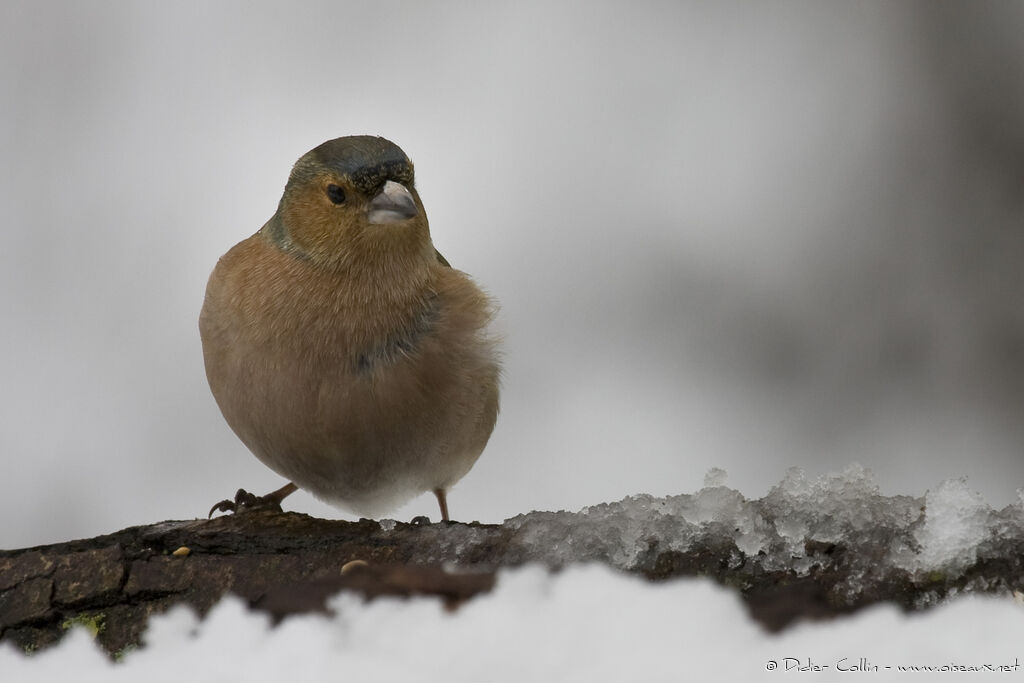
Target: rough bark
{"type": "Point", "coordinates": [286, 563]}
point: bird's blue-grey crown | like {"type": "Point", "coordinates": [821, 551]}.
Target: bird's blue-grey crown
{"type": "Point", "coordinates": [367, 161]}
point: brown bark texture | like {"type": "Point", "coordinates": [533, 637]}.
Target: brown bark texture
{"type": "Point", "coordinates": [288, 563]}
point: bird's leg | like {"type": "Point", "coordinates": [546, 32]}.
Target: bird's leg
{"type": "Point", "coordinates": [442, 500]}
{"type": "Point", "coordinates": [246, 501]}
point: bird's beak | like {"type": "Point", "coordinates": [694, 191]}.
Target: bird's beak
{"type": "Point", "coordinates": [392, 204]}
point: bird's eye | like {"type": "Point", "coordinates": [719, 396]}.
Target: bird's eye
{"type": "Point", "coordinates": [336, 194]}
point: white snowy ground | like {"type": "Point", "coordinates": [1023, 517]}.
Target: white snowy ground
{"type": "Point", "coordinates": [587, 623]}
{"type": "Point", "coordinates": [592, 623]}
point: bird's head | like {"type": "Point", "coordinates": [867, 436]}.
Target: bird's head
{"type": "Point", "coordinates": [352, 200]}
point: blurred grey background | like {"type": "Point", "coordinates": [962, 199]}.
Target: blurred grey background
{"type": "Point", "coordinates": [736, 235]}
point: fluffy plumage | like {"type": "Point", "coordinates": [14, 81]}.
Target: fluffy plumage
{"type": "Point", "coordinates": [342, 349]}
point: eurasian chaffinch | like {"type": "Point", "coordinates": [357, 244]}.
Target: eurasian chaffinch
{"type": "Point", "coordinates": [342, 348]}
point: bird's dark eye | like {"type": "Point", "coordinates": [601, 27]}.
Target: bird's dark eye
{"type": "Point", "coordinates": [336, 194]}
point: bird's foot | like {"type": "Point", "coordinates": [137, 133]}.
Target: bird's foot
{"type": "Point", "coordinates": [442, 500]}
{"type": "Point", "coordinates": [244, 501]}
{"type": "Point", "coordinates": [248, 502]}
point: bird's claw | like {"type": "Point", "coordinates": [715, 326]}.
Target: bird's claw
{"type": "Point", "coordinates": [246, 502]}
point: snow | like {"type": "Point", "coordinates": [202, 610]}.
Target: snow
{"type": "Point", "coordinates": [586, 623]}
{"type": "Point", "coordinates": [955, 524]}
{"type": "Point", "coordinates": [941, 531]}
{"type": "Point", "coordinates": [591, 621]}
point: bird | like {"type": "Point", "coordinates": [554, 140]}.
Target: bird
{"type": "Point", "coordinates": [342, 348]}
